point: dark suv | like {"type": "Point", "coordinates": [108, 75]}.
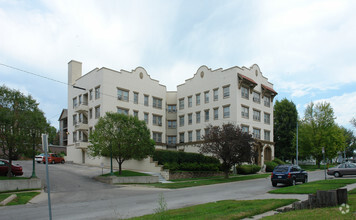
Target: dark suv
{"type": "Point", "coordinates": [288, 174]}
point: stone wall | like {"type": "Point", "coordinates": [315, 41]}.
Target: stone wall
{"type": "Point", "coordinates": [187, 174]}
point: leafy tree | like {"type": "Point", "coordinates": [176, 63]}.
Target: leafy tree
{"type": "Point", "coordinates": [285, 121]}
{"type": "Point", "coordinates": [350, 142]}
{"type": "Point", "coordinates": [21, 123]}
{"type": "Point", "coordinates": [353, 122]}
{"type": "Point", "coordinates": [126, 136]}
{"type": "Point", "coordinates": [229, 144]}
{"type": "Point", "coordinates": [53, 136]}
{"type": "Point", "coordinates": [318, 130]}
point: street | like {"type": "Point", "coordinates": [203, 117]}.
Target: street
{"type": "Point", "coordinates": [75, 195]}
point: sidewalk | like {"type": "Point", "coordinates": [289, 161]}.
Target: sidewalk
{"type": "Point", "coordinates": [300, 197]}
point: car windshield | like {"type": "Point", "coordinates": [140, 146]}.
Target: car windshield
{"type": "Point", "coordinates": [281, 169]}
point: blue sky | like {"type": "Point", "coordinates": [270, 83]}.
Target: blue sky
{"type": "Point", "coordinates": [307, 49]}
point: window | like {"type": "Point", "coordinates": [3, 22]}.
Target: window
{"type": "Point", "coordinates": [244, 112]}
{"type": "Point", "coordinates": [97, 92]}
{"type": "Point", "coordinates": [206, 115]}
{"type": "Point", "coordinates": [172, 139]}
{"type": "Point", "coordinates": [244, 92]}
{"type": "Point", "coordinates": [226, 91]}
{"type": "Point", "coordinates": [256, 115]}
{"type": "Point", "coordinates": [256, 133]}
{"type": "Point", "coordinates": [135, 114]}
{"type": "Point", "coordinates": [146, 100]}
{"type": "Point", "coordinates": [181, 120]}
{"type": "Point", "coordinates": [216, 94]}
{"type": "Point", "coordinates": [190, 118]}
{"type": "Point", "coordinates": [122, 95]}
{"type": "Point", "coordinates": [172, 108]}
{"type": "Point", "coordinates": [157, 120]}
{"type": "Point", "coordinates": [181, 103]}
{"type": "Point", "coordinates": [206, 97]}
{"type": "Point", "coordinates": [207, 130]}
{"type": "Point", "coordinates": [157, 102]}
{"type": "Point", "coordinates": [80, 99]}
{"type": "Point", "coordinates": [157, 137]}
{"type": "Point", "coordinates": [267, 135]}
{"type": "Point", "coordinates": [135, 98]}
{"type": "Point", "coordinates": [256, 97]}
{"type": "Point", "coordinates": [226, 111]}
{"type": "Point", "coordinates": [244, 128]}
{"type": "Point", "coordinates": [267, 118]}
{"type": "Point", "coordinates": [198, 136]}
{"type": "Point", "coordinates": [190, 136]}
{"type": "Point", "coordinates": [197, 115]}
{"type": "Point", "coordinates": [216, 113]}
{"type": "Point", "coordinates": [267, 101]}
{"type": "Point", "coordinates": [172, 124]}
{"type": "Point", "coordinates": [91, 113]}
{"type": "Point", "coordinates": [190, 101]}
{"type": "Point", "coordinates": [75, 102]}
{"type": "Point", "coordinates": [145, 117]}
{"type": "Point", "coordinates": [75, 119]}
{"type": "Point", "coordinates": [74, 136]}
{"type": "Point", "coordinates": [181, 137]}
{"type": "Point", "coordinates": [122, 111]}
{"type": "Point", "coordinates": [197, 99]}
{"type": "Point", "coordinates": [90, 94]}
{"type": "Point", "coordinates": [97, 112]}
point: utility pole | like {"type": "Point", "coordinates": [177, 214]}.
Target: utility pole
{"type": "Point", "coordinates": [297, 143]}
{"type": "Point", "coordinates": [45, 145]}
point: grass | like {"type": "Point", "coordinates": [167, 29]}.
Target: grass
{"type": "Point", "coordinates": [13, 178]}
{"type": "Point", "coordinates": [320, 213]}
{"type": "Point", "coordinates": [206, 181]}
{"type": "Point", "coordinates": [315, 167]}
{"type": "Point", "coordinates": [226, 209]}
{"type": "Point", "coordinates": [22, 198]}
{"type": "Point", "coordinates": [127, 173]}
{"type": "Point", "coordinates": [312, 187]}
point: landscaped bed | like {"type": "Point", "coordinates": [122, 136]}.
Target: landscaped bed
{"type": "Point", "coordinates": [226, 209]}
{"type": "Point", "coordinates": [312, 187]}
{"type": "Point", "coordinates": [22, 198]}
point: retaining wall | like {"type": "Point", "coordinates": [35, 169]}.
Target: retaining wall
{"type": "Point", "coordinates": [128, 179]}
{"type": "Point", "coordinates": [20, 184]}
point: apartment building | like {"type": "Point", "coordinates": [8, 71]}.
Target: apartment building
{"type": "Point", "coordinates": [177, 119]}
{"type": "Point", "coordinates": [63, 128]}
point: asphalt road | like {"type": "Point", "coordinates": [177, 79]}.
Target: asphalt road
{"type": "Point", "coordinates": [75, 195]}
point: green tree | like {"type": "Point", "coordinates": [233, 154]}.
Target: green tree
{"type": "Point", "coordinates": [229, 144]}
{"type": "Point", "coordinates": [21, 123]}
{"type": "Point", "coordinates": [350, 142]}
{"type": "Point", "coordinates": [285, 121]}
{"type": "Point", "coordinates": [353, 122]}
{"type": "Point", "coordinates": [318, 130]}
{"type": "Point", "coordinates": [126, 136]}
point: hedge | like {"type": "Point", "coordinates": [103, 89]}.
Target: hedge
{"type": "Point", "coordinates": [192, 166]}
{"type": "Point", "coordinates": [248, 169]}
{"type": "Point", "coordinates": [278, 161]}
{"type": "Point", "coordinates": [270, 165]}
{"type": "Point", "coordinates": [164, 156]}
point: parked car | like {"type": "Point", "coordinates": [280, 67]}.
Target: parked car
{"type": "Point", "coordinates": [288, 174]}
{"type": "Point", "coordinates": [39, 158]}
{"type": "Point", "coordinates": [15, 169]}
{"type": "Point", "coordinates": [343, 169]}
{"type": "Point", "coordinates": [53, 158]}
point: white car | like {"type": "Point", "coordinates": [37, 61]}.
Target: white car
{"type": "Point", "coordinates": [39, 158]}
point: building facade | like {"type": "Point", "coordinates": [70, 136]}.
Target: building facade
{"type": "Point", "coordinates": [177, 119]}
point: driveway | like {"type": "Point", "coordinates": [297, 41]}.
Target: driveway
{"type": "Point", "coordinates": [76, 195]}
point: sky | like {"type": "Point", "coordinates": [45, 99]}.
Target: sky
{"type": "Point", "coordinates": [307, 49]}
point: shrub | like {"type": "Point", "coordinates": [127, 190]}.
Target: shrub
{"type": "Point", "coordinates": [270, 165]}
{"type": "Point", "coordinates": [278, 161]}
{"type": "Point", "coordinates": [165, 156]}
{"type": "Point", "coordinates": [191, 166]}
{"type": "Point", "coordinates": [248, 169]}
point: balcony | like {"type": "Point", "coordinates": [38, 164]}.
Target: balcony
{"type": "Point", "coordinates": [82, 108]}
{"type": "Point", "coordinates": [81, 145]}
{"type": "Point", "coordinates": [80, 126]}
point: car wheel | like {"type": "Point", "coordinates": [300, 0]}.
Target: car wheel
{"type": "Point", "coordinates": [62, 162]}
{"type": "Point", "coordinates": [44, 162]}
{"type": "Point", "coordinates": [52, 162]}
{"type": "Point", "coordinates": [38, 161]}
{"type": "Point", "coordinates": [274, 184]}
{"type": "Point", "coordinates": [305, 179]}
{"type": "Point", "coordinates": [293, 182]}
{"type": "Point", "coordinates": [337, 174]}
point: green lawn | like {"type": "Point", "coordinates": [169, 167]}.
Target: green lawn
{"type": "Point", "coordinates": [320, 213]}
{"type": "Point", "coordinates": [127, 173]}
{"type": "Point", "coordinates": [226, 209]}
{"type": "Point", "coordinates": [312, 187]}
{"type": "Point", "coordinates": [22, 198]}
{"type": "Point", "coordinates": [206, 181]}
{"type": "Point", "coordinates": [12, 178]}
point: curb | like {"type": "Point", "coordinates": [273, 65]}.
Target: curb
{"type": "Point", "coordinates": [8, 199]}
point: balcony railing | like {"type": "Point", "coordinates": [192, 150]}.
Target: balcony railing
{"type": "Point", "coordinates": [81, 126]}
{"type": "Point", "coordinates": [83, 107]}
{"type": "Point", "coordinates": [81, 145]}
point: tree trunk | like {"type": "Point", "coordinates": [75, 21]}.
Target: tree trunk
{"type": "Point", "coordinates": [226, 176]}
{"type": "Point", "coordinates": [120, 163]}
{"type": "Point", "coordinates": [9, 173]}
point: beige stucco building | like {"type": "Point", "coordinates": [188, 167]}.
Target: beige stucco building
{"type": "Point", "coordinates": [176, 119]}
